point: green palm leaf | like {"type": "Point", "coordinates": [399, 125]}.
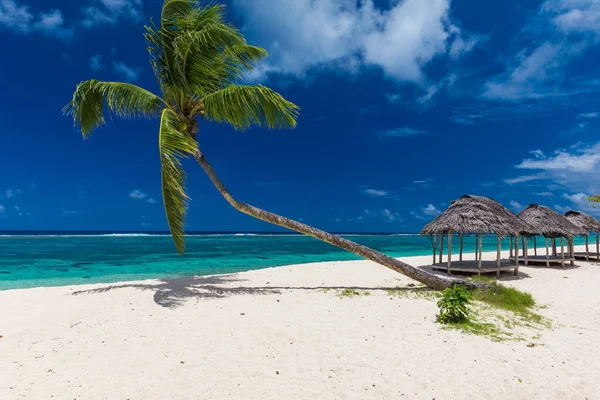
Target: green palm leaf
{"type": "Point", "coordinates": [244, 106]}
{"type": "Point", "coordinates": [121, 99]}
{"type": "Point", "coordinates": [174, 145]}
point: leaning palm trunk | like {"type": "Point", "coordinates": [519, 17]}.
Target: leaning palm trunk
{"type": "Point", "coordinates": [429, 279]}
{"type": "Point", "coordinates": [199, 59]}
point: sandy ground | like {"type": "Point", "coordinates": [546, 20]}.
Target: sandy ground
{"type": "Point", "coordinates": [277, 334]}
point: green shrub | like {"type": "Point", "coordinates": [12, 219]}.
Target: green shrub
{"type": "Point", "coordinates": [506, 298]}
{"type": "Point", "coordinates": [454, 304]}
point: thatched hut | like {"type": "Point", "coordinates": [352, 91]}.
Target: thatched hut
{"type": "Point", "coordinates": [588, 224]}
{"type": "Point", "coordinates": [474, 215]}
{"type": "Point", "coordinates": [550, 224]}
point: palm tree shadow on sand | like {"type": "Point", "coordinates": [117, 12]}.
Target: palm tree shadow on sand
{"type": "Point", "coordinates": [174, 292]}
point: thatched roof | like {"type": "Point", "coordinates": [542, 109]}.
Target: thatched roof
{"type": "Point", "coordinates": [476, 214]}
{"type": "Point", "coordinates": [548, 222]}
{"type": "Point", "coordinates": [583, 221]}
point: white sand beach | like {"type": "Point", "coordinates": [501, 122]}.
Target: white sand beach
{"type": "Point", "coordinates": [279, 334]}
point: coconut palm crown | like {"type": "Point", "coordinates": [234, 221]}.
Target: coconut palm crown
{"type": "Point", "coordinates": [199, 60]}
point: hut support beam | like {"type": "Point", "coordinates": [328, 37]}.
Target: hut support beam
{"type": "Point", "coordinates": [461, 247]}
{"type": "Point", "coordinates": [480, 249]}
{"type": "Point", "coordinates": [517, 249]}
{"type": "Point", "coordinates": [535, 245]}
{"type": "Point", "coordinates": [597, 246]}
{"type": "Point", "coordinates": [510, 255]}
{"type": "Point", "coordinates": [547, 254]}
{"type": "Point", "coordinates": [434, 246]}
{"type": "Point", "coordinates": [554, 247]}
{"type": "Point", "coordinates": [587, 247]}
{"type": "Point", "coordinates": [498, 255]}
{"type": "Point", "coordinates": [572, 250]}
{"type": "Point", "coordinates": [441, 246]}
{"type": "Point", "coordinates": [449, 251]}
{"type": "Point", "coordinates": [525, 238]}
{"type": "Point", "coordinates": [476, 246]}
{"type": "Point", "coordinates": [562, 251]}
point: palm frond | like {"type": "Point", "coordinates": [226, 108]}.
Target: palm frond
{"type": "Point", "coordinates": [122, 99]}
{"type": "Point", "coordinates": [175, 10]}
{"type": "Point", "coordinates": [174, 145]}
{"type": "Point", "coordinates": [244, 55]}
{"type": "Point", "coordinates": [245, 105]}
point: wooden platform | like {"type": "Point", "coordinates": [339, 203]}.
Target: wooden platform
{"type": "Point", "coordinates": [580, 255]}
{"type": "Point", "coordinates": [472, 267]}
{"type": "Point", "coordinates": [542, 259]}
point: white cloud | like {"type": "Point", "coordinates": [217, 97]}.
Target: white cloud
{"type": "Point", "coordinates": [127, 72]}
{"type": "Point", "coordinates": [72, 213]}
{"type": "Point", "coordinates": [305, 34]}
{"type": "Point", "coordinates": [423, 181]}
{"type": "Point", "coordinates": [52, 23]}
{"type": "Point", "coordinates": [375, 192]}
{"type": "Point", "coordinates": [15, 17]}
{"type": "Point", "coordinates": [576, 168]}
{"type": "Point", "coordinates": [544, 194]}
{"type": "Point", "coordinates": [524, 178]}
{"type": "Point", "coordinates": [12, 193]}
{"type": "Point", "coordinates": [585, 160]}
{"type": "Point", "coordinates": [588, 115]}
{"type": "Point", "coordinates": [426, 213]}
{"type": "Point", "coordinates": [579, 202]}
{"type": "Point", "coordinates": [390, 216]}
{"type": "Point", "coordinates": [561, 31]}
{"type": "Point", "coordinates": [431, 211]}
{"type": "Point", "coordinates": [96, 63]}
{"type": "Point", "coordinates": [466, 119]}
{"type": "Point", "coordinates": [138, 194]}
{"type": "Point", "coordinates": [516, 206]}
{"type": "Point", "coordinates": [1, 209]}
{"type": "Point", "coordinates": [378, 215]}
{"type": "Point", "coordinates": [151, 201]}
{"type": "Point", "coordinates": [530, 71]}
{"type": "Point", "coordinates": [393, 97]}
{"type": "Point", "coordinates": [109, 11]}
{"type": "Point", "coordinates": [20, 19]}
{"type": "Point", "coordinates": [402, 132]}
{"type": "Point", "coordinates": [574, 16]}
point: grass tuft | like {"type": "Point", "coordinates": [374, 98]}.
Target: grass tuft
{"type": "Point", "coordinates": [352, 293]}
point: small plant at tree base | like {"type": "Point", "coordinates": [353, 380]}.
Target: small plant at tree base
{"type": "Point", "coordinates": [454, 305]}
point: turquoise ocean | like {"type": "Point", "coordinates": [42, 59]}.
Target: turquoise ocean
{"type": "Point", "coordinates": [56, 259]}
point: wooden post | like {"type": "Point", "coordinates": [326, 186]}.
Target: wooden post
{"type": "Point", "coordinates": [547, 252]}
{"type": "Point", "coordinates": [517, 249]}
{"type": "Point", "coordinates": [587, 247]}
{"type": "Point", "coordinates": [498, 256]}
{"type": "Point", "coordinates": [562, 251]}
{"type": "Point", "coordinates": [535, 245]}
{"type": "Point", "coordinates": [449, 250]}
{"type": "Point", "coordinates": [441, 246]}
{"type": "Point", "coordinates": [597, 246]}
{"type": "Point", "coordinates": [434, 246]}
{"type": "Point", "coordinates": [525, 238]}
{"type": "Point", "coordinates": [572, 251]}
{"type": "Point", "coordinates": [476, 246]}
{"type": "Point", "coordinates": [461, 245]}
{"type": "Point", "coordinates": [480, 249]}
{"type": "Point", "coordinates": [511, 248]}
{"type": "Point", "coordinates": [554, 247]}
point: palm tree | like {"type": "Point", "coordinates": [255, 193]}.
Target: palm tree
{"type": "Point", "coordinates": [199, 60]}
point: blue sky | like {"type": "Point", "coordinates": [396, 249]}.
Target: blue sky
{"type": "Point", "coordinates": [406, 105]}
